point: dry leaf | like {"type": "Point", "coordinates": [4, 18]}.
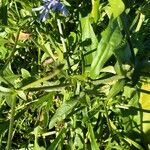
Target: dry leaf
{"type": "Point", "coordinates": [24, 36]}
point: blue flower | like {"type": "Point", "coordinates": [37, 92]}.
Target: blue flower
{"type": "Point", "coordinates": [54, 5]}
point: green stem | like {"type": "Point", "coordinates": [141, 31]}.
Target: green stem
{"type": "Point", "coordinates": [107, 118]}
{"type": "Point", "coordinates": [31, 85]}
{"type": "Point", "coordinates": [63, 43]}
{"type": "Point", "coordinates": [39, 57]}
{"type": "Point", "coordinates": [50, 88]}
{"type": "Point", "coordinates": [61, 33]}
{"type": "Point", "coordinates": [26, 105]}
{"type": "Point", "coordinates": [10, 133]}
{"type": "Point", "coordinates": [83, 64]}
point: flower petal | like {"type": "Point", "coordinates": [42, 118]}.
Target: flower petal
{"type": "Point", "coordinates": [55, 5]}
{"type": "Point", "coordinates": [38, 8]}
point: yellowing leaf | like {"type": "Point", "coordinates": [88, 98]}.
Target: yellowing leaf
{"type": "Point", "coordinates": [24, 36]}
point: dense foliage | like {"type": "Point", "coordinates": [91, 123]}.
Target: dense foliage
{"type": "Point", "coordinates": [75, 79]}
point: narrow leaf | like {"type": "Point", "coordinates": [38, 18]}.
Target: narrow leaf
{"type": "Point", "coordinates": [131, 142]}
{"type": "Point", "coordinates": [89, 38]}
{"type": "Point", "coordinates": [94, 144]}
{"type": "Point", "coordinates": [57, 140]}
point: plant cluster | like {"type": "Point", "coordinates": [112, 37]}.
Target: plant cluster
{"type": "Point", "coordinates": [74, 74]}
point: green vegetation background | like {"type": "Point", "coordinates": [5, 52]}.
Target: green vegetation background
{"type": "Point", "coordinates": [79, 82]}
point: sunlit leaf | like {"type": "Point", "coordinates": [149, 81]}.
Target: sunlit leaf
{"type": "Point", "coordinates": [57, 140]}
{"type": "Point", "coordinates": [25, 73]}
{"type": "Point", "coordinates": [145, 104]}
{"type": "Point", "coordinates": [94, 145]}
{"type": "Point", "coordinates": [117, 7]}
{"type": "Point", "coordinates": [62, 112]}
{"type": "Point", "coordinates": [95, 10]}
{"type": "Point", "coordinates": [111, 38]}
{"type": "Point", "coordinates": [131, 142]}
{"type": "Point", "coordinates": [116, 88]}
{"type": "Point", "coordinates": [88, 38]}
{"type": "Point", "coordinates": [37, 131]}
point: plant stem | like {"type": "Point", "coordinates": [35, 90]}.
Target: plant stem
{"type": "Point", "coordinates": [63, 43]}
{"type": "Point", "coordinates": [107, 117]}
{"type": "Point", "coordinates": [31, 85]}
{"type": "Point", "coordinates": [10, 134]}
{"type": "Point", "coordinates": [61, 33]}
{"type": "Point", "coordinates": [50, 88]}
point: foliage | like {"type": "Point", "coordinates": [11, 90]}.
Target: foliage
{"type": "Point", "coordinates": [74, 82]}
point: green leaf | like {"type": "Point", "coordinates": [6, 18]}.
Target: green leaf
{"type": "Point", "coordinates": [9, 76]}
{"type": "Point", "coordinates": [13, 98]}
{"type": "Point", "coordinates": [145, 104]}
{"type": "Point", "coordinates": [22, 95]}
{"type": "Point", "coordinates": [78, 140]}
{"type": "Point", "coordinates": [62, 112]}
{"type": "Point", "coordinates": [25, 73]}
{"type": "Point", "coordinates": [3, 49]}
{"type": "Point", "coordinates": [109, 69]}
{"type": "Point", "coordinates": [95, 10]}
{"type": "Point", "coordinates": [111, 38]}
{"type": "Point", "coordinates": [4, 11]}
{"type": "Point", "coordinates": [116, 88]}
{"type": "Point", "coordinates": [117, 7]}
{"type": "Point", "coordinates": [94, 144]}
{"type": "Point", "coordinates": [37, 131]}
{"type": "Point", "coordinates": [89, 39]}
{"type": "Point", "coordinates": [5, 90]}
{"type": "Point", "coordinates": [57, 140]}
{"type": "Point", "coordinates": [9, 98]}
{"type": "Point", "coordinates": [108, 81]}
{"type": "Point", "coordinates": [47, 48]}
{"type": "Point", "coordinates": [44, 100]}
{"type": "Point", "coordinates": [131, 142]}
